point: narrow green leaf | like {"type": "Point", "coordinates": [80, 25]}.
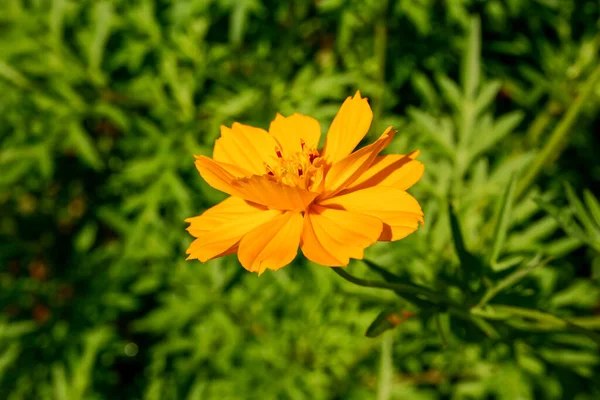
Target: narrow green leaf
{"type": "Point", "coordinates": [103, 21]}
{"type": "Point", "coordinates": [486, 96]}
{"type": "Point", "coordinates": [580, 211]}
{"type": "Point", "coordinates": [512, 279]}
{"type": "Point", "coordinates": [8, 356]}
{"type": "Point", "coordinates": [505, 125]}
{"type": "Point", "coordinates": [563, 246]}
{"type": "Point", "coordinates": [565, 220]}
{"type": "Point", "coordinates": [468, 262]}
{"type": "Point", "coordinates": [451, 91]}
{"type": "Point", "coordinates": [428, 93]}
{"type": "Point", "coordinates": [442, 327]}
{"type": "Point", "coordinates": [503, 221]}
{"type": "Point", "coordinates": [471, 67]}
{"type": "Point", "coordinates": [386, 320]}
{"type": "Point", "coordinates": [507, 263]}
{"type": "Point", "coordinates": [13, 76]}
{"type": "Point", "coordinates": [431, 129]}
{"type": "Point", "coordinates": [15, 329]}
{"type": "Point", "coordinates": [60, 384]}
{"type": "Point", "coordinates": [593, 205]}
{"type": "Point", "coordinates": [588, 322]}
{"type": "Point", "coordinates": [86, 237]}
{"type": "Point", "coordinates": [84, 146]}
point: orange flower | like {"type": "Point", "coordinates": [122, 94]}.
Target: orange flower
{"type": "Point", "coordinates": [285, 193]}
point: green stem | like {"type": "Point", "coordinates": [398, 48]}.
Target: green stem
{"type": "Point", "coordinates": [441, 301]}
{"type": "Point", "coordinates": [386, 369]}
{"type": "Point", "coordinates": [477, 315]}
{"type": "Point", "coordinates": [400, 288]}
{"type": "Point", "coordinates": [540, 317]}
{"type": "Point", "coordinates": [559, 135]}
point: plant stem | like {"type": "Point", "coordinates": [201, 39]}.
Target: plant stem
{"type": "Point", "coordinates": [386, 369]}
{"type": "Point", "coordinates": [421, 292]}
{"type": "Point", "coordinates": [477, 315]}
{"type": "Point", "coordinates": [441, 301]}
{"type": "Point", "coordinates": [540, 317]}
{"type": "Point", "coordinates": [559, 135]}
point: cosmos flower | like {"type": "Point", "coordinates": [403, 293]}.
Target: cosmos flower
{"type": "Point", "coordinates": [285, 193]}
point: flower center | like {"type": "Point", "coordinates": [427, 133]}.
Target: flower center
{"type": "Point", "coordinates": [303, 169]}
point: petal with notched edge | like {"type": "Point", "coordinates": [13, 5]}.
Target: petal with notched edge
{"type": "Point", "coordinates": [257, 189]}
{"type": "Point", "coordinates": [272, 245]}
{"type": "Point", "coordinates": [331, 237]}
{"type": "Point", "coordinates": [219, 175]}
{"type": "Point", "coordinates": [349, 169]}
{"type": "Point", "coordinates": [398, 210]}
{"type": "Point", "coordinates": [294, 130]}
{"type": "Point", "coordinates": [396, 170]}
{"type": "Point", "coordinates": [348, 128]}
{"type": "Point", "coordinates": [219, 229]}
{"type": "Point", "coordinates": [246, 147]}
{"type": "Point", "coordinates": [266, 191]}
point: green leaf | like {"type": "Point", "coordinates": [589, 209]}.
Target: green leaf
{"type": "Point", "coordinates": [471, 63]}
{"type": "Point", "coordinates": [503, 221]}
{"type": "Point", "coordinates": [386, 320]}
{"type": "Point", "coordinates": [563, 246]}
{"type": "Point", "coordinates": [580, 211]}
{"type": "Point", "coordinates": [567, 222]}
{"type": "Point", "coordinates": [583, 293]}
{"type": "Point", "coordinates": [431, 129]}
{"type": "Point", "coordinates": [423, 85]}
{"type": "Point", "coordinates": [86, 237]}
{"type": "Point", "coordinates": [85, 146]}
{"type": "Point", "coordinates": [16, 329]}
{"type": "Point", "coordinates": [451, 91]}
{"type": "Point", "coordinates": [60, 384]}
{"type": "Point", "coordinates": [505, 125]}
{"type": "Point", "coordinates": [512, 279]}
{"type": "Point", "coordinates": [103, 22]}
{"type": "Point", "coordinates": [8, 356]}
{"type": "Point", "coordinates": [486, 96]}
{"type": "Point", "coordinates": [469, 264]}
{"type": "Point", "coordinates": [12, 75]}
{"type": "Point", "coordinates": [593, 205]}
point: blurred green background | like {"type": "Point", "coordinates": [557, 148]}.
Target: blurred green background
{"type": "Point", "coordinates": [103, 104]}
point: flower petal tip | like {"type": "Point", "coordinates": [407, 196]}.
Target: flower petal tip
{"type": "Point", "coordinates": [414, 154]}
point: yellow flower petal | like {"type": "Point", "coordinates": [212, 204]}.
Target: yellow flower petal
{"type": "Point", "coordinates": [331, 237]}
{"type": "Point", "coordinates": [349, 126]}
{"type": "Point", "coordinates": [313, 249]}
{"type": "Point", "coordinates": [266, 191]}
{"type": "Point", "coordinates": [294, 130]}
{"type": "Point", "coordinates": [220, 175]}
{"type": "Point", "coordinates": [398, 210]}
{"type": "Point", "coordinates": [396, 170]}
{"type": "Point", "coordinates": [246, 147]}
{"type": "Point", "coordinates": [272, 245]}
{"type": "Point", "coordinates": [219, 229]}
{"type": "Point", "coordinates": [257, 189]}
{"type": "Point", "coordinates": [349, 169]}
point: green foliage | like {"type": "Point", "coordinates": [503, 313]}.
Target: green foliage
{"type": "Point", "coordinates": [104, 103]}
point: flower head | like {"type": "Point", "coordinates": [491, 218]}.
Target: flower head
{"type": "Point", "coordinates": [285, 193]}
